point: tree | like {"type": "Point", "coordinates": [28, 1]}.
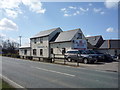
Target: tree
{"type": "Point", "coordinates": [9, 47]}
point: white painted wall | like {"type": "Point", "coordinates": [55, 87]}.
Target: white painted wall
{"type": "Point", "coordinates": [21, 52]}
{"type": "Point", "coordinates": [57, 47]}
{"type": "Point", "coordinates": [38, 46]}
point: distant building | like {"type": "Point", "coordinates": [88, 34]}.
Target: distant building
{"type": "Point", "coordinates": [94, 42]}
{"type": "Point", "coordinates": [111, 46]}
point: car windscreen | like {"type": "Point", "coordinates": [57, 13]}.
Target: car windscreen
{"type": "Point", "coordinates": [98, 52]}
{"type": "Point", "coordinates": [73, 52]}
{"type": "Point", "coordinates": [83, 52]}
{"type": "Point", "coordinates": [92, 52]}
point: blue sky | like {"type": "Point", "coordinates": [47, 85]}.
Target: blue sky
{"type": "Point", "coordinates": [27, 18]}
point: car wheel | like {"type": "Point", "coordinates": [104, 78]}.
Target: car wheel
{"type": "Point", "coordinates": [85, 61]}
{"type": "Point", "coordinates": [69, 59]}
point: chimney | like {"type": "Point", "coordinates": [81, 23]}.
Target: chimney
{"type": "Point", "coordinates": [109, 44]}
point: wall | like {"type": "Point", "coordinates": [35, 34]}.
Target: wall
{"type": "Point", "coordinates": [38, 46]}
{"type": "Point", "coordinates": [110, 51]}
{"type": "Point", "coordinates": [57, 47]}
{"type": "Point", "coordinates": [21, 52]}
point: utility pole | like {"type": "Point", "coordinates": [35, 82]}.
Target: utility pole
{"type": "Point", "coordinates": [20, 40]}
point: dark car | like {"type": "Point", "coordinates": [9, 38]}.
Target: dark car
{"type": "Point", "coordinates": [100, 56]}
{"type": "Point", "coordinates": [80, 56]}
{"type": "Point", "coordinates": [107, 57]}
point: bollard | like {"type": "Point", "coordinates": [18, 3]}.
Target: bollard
{"type": "Point", "coordinates": [77, 63]}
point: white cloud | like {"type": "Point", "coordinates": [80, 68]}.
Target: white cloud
{"type": "Point", "coordinates": [84, 10]}
{"type": "Point", "coordinates": [63, 9]}
{"type": "Point", "coordinates": [110, 29]}
{"type": "Point", "coordinates": [102, 13]}
{"type": "Point", "coordinates": [96, 10]}
{"type": "Point", "coordinates": [2, 35]}
{"type": "Point", "coordinates": [11, 13]}
{"type": "Point", "coordinates": [67, 15]}
{"type": "Point", "coordinates": [87, 35]}
{"type": "Point", "coordinates": [6, 24]}
{"type": "Point", "coordinates": [71, 7]}
{"type": "Point", "coordinates": [111, 3]}
{"type": "Point", "coordinates": [90, 4]}
{"type": "Point", "coordinates": [11, 8]}
{"type": "Point", "coordinates": [34, 5]}
{"type": "Point", "coordinates": [76, 13]}
{"type": "Point", "coordinates": [73, 11]}
{"type": "Point", "coordinates": [99, 11]}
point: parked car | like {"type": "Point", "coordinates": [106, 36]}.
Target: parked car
{"type": "Point", "coordinates": [100, 56]}
{"type": "Point", "coordinates": [80, 56]}
{"type": "Point", "coordinates": [103, 56]}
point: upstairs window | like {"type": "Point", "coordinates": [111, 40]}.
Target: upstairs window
{"type": "Point", "coordinates": [35, 41]}
{"type": "Point", "coordinates": [79, 36]}
{"type": "Point", "coordinates": [41, 40]}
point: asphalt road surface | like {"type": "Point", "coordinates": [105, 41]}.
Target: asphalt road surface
{"type": "Point", "coordinates": [31, 74]}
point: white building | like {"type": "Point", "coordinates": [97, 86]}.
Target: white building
{"type": "Point", "coordinates": [53, 41]}
{"type": "Point", "coordinates": [66, 40]}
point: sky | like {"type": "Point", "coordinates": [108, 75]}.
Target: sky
{"type": "Point", "coordinates": [28, 17]}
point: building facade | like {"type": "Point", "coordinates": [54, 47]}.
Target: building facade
{"type": "Point", "coordinates": [53, 41]}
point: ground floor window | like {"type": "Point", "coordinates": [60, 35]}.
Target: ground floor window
{"type": "Point", "coordinates": [51, 50]}
{"type": "Point", "coordinates": [63, 50]}
{"type": "Point", "coordinates": [34, 51]}
{"type": "Point", "coordinates": [41, 51]}
{"type": "Point", "coordinates": [25, 52]}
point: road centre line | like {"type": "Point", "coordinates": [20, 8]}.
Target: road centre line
{"type": "Point", "coordinates": [55, 71]}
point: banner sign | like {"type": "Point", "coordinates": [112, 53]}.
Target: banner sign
{"type": "Point", "coordinates": [79, 44]}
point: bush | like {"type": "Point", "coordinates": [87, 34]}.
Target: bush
{"type": "Point", "coordinates": [11, 55]}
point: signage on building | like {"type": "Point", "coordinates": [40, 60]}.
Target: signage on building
{"type": "Point", "coordinates": [79, 44]}
{"type": "Point", "coordinates": [40, 46]}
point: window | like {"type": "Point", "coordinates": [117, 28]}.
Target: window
{"type": "Point", "coordinates": [35, 40]}
{"type": "Point", "coordinates": [79, 36]}
{"type": "Point", "coordinates": [51, 50]}
{"type": "Point", "coordinates": [41, 51]}
{"type": "Point", "coordinates": [25, 52]}
{"type": "Point", "coordinates": [41, 40]}
{"type": "Point", "coordinates": [63, 50]}
{"type": "Point", "coordinates": [34, 51]}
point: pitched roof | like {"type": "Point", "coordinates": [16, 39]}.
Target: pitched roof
{"type": "Point", "coordinates": [66, 35]}
{"type": "Point", "coordinates": [45, 33]}
{"type": "Point", "coordinates": [23, 47]}
{"type": "Point", "coordinates": [111, 44]}
{"type": "Point", "coordinates": [93, 40]}
{"type": "Point", "coordinates": [105, 44]}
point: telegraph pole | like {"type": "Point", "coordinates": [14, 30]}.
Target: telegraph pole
{"type": "Point", "coordinates": [20, 40]}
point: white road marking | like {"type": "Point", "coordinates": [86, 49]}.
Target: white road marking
{"type": "Point", "coordinates": [55, 71]}
{"type": "Point", "coordinates": [14, 84]}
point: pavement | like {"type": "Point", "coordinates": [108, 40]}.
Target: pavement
{"type": "Point", "coordinates": [31, 74]}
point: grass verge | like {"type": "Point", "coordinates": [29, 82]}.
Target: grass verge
{"type": "Point", "coordinates": [5, 86]}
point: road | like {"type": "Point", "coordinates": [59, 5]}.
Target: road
{"type": "Point", "coordinates": [31, 74]}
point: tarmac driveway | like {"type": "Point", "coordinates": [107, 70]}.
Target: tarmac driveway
{"type": "Point", "coordinates": [103, 66]}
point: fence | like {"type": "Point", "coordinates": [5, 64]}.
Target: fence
{"type": "Point", "coordinates": [60, 56]}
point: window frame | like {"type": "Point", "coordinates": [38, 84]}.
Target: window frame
{"type": "Point", "coordinates": [25, 52]}
{"type": "Point", "coordinates": [41, 52]}
{"type": "Point", "coordinates": [34, 52]}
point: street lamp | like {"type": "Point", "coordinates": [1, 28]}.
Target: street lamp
{"type": "Point", "coordinates": [20, 39]}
